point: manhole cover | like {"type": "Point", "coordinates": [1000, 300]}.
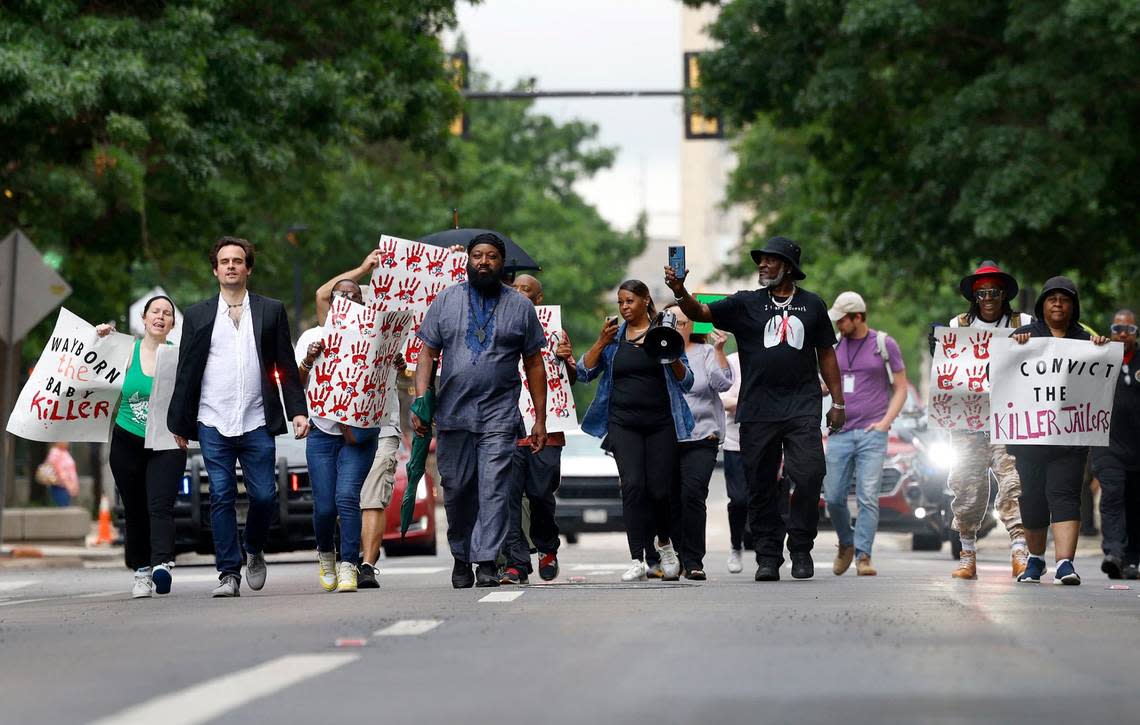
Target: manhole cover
{"type": "Point", "coordinates": [612, 585]}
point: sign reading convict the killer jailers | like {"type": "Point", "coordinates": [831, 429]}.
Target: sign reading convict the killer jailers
{"type": "Point", "coordinates": [72, 391]}
{"type": "Point", "coordinates": [1052, 391]}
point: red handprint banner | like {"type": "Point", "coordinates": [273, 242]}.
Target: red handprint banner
{"type": "Point", "coordinates": [1052, 391]}
{"type": "Point", "coordinates": [960, 380]}
{"type": "Point", "coordinates": [353, 377]}
{"type": "Point", "coordinates": [561, 414]}
{"type": "Point", "coordinates": [408, 279]}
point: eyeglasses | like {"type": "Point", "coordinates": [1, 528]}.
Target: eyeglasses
{"type": "Point", "coordinates": [988, 294]}
{"type": "Point", "coordinates": [1124, 329]}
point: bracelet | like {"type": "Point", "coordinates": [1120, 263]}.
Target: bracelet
{"type": "Point", "coordinates": [838, 406]}
{"type": "Point", "coordinates": [305, 365]}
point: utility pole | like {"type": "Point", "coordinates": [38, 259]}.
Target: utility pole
{"type": "Point", "coordinates": [291, 238]}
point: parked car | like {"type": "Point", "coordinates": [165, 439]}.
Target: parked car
{"type": "Point", "coordinates": [291, 528]}
{"type": "Point", "coordinates": [589, 497]}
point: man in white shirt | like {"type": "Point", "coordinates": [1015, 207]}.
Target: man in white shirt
{"type": "Point", "coordinates": [235, 347]}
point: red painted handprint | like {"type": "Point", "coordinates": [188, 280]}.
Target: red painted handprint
{"type": "Point", "coordinates": [407, 290]}
{"type": "Point", "coordinates": [318, 398]}
{"type": "Point", "coordinates": [413, 258]}
{"type": "Point", "coordinates": [545, 315]}
{"type": "Point", "coordinates": [359, 353]}
{"type": "Point", "coordinates": [346, 382]}
{"type": "Point", "coordinates": [412, 352]}
{"type": "Point", "coordinates": [340, 406]}
{"type": "Point", "coordinates": [370, 383]}
{"type": "Point", "coordinates": [950, 345]}
{"type": "Point", "coordinates": [367, 321]}
{"type": "Point", "coordinates": [388, 254]}
{"type": "Point", "coordinates": [560, 404]}
{"type": "Point", "coordinates": [362, 410]}
{"type": "Point", "coordinates": [332, 347]}
{"type": "Point", "coordinates": [981, 343]}
{"type": "Point", "coordinates": [976, 378]}
{"type": "Point", "coordinates": [972, 407]}
{"type": "Point", "coordinates": [382, 288]}
{"type": "Point", "coordinates": [324, 373]}
{"type": "Point", "coordinates": [459, 268]}
{"type": "Point", "coordinates": [432, 292]}
{"type": "Point", "coordinates": [435, 262]}
{"type": "Point", "coordinates": [554, 383]}
{"type": "Point", "coordinates": [946, 375]}
{"type": "Point", "coordinates": [940, 411]}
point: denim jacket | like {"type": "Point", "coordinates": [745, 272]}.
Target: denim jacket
{"type": "Point", "coordinates": [597, 419]}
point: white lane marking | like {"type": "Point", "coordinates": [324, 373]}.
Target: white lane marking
{"type": "Point", "coordinates": [98, 594]}
{"type": "Point", "coordinates": [29, 601]}
{"type": "Point", "coordinates": [411, 570]}
{"type": "Point", "coordinates": [408, 628]}
{"type": "Point", "coordinates": [599, 567]}
{"type": "Point", "coordinates": [14, 585]}
{"type": "Point", "coordinates": [212, 698]}
{"type": "Point", "coordinates": [501, 597]}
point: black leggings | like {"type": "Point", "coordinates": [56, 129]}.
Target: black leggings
{"type": "Point", "coordinates": [695, 463]}
{"type": "Point", "coordinates": [148, 483]}
{"type": "Point", "coordinates": [646, 460]}
{"type": "Point", "coordinates": [1051, 478]}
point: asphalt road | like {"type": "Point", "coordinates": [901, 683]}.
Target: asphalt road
{"type": "Point", "coordinates": [911, 645]}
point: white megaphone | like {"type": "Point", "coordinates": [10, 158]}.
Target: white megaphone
{"type": "Point", "coordinates": [663, 342]}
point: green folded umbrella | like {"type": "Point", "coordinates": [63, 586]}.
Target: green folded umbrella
{"type": "Point", "coordinates": [424, 408]}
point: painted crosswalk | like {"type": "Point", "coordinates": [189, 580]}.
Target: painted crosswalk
{"type": "Point", "coordinates": [500, 597]}
{"type": "Point", "coordinates": [408, 628]}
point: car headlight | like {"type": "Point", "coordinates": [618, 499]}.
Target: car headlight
{"type": "Point", "coordinates": [942, 455]}
{"type": "Point", "coordinates": [421, 490]}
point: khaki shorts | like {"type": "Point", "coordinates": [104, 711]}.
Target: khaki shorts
{"type": "Point", "coordinates": [376, 492]}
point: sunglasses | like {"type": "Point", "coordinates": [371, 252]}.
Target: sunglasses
{"type": "Point", "coordinates": [1124, 329]}
{"type": "Point", "coordinates": [988, 294]}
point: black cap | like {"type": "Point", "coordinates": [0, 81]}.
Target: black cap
{"type": "Point", "coordinates": [784, 248]}
{"type": "Point", "coordinates": [489, 238]}
{"type": "Point", "coordinates": [1063, 284]}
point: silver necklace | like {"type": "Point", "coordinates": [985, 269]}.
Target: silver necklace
{"type": "Point", "coordinates": [785, 304]}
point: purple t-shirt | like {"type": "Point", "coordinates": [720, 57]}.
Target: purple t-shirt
{"type": "Point", "coordinates": [866, 388]}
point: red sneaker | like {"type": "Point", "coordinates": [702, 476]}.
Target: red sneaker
{"type": "Point", "coordinates": [548, 567]}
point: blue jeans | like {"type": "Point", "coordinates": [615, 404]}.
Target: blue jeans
{"type": "Point", "coordinates": [859, 453]}
{"type": "Point", "coordinates": [336, 473]}
{"type": "Point", "coordinates": [59, 496]}
{"type": "Point", "coordinates": [257, 454]}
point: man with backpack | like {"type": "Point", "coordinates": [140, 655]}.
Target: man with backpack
{"type": "Point", "coordinates": [874, 385]}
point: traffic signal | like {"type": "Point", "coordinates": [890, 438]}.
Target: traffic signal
{"type": "Point", "coordinates": [457, 68]}
{"type": "Point", "coordinates": [697, 125]}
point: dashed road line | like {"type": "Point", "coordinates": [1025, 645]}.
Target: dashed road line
{"type": "Point", "coordinates": [408, 628]}
{"type": "Point", "coordinates": [500, 597]}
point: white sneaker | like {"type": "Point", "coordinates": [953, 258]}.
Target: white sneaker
{"type": "Point", "coordinates": [635, 573]}
{"type": "Point", "coordinates": [346, 577]}
{"type": "Point", "coordinates": [735, 561]}
{"type": "Point", "coordinates": [144, 585]}
{"type": "Point", "coordinates": [670, 564]}
{"type": "Point", "coordinates": [327, 565]}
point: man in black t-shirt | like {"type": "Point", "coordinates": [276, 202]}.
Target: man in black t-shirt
{"type": "Point", "coordinates": [786, 341]}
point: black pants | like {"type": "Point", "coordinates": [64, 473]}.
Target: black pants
{"type": "Point", "coordinates": [739, 537]}
{"type": "Point", "coordinates": [539, 474]}
{"type": "Point", "coordinates": [695, 463]}
{"type": "Point", "coordinates": [1051, 478]}
{"type": "Point", "coordinates": [148, 483]}
{"type": "Point", "coordinates": [799, 442]}
{"type": "Point", "coordinates": [1120, 513]}
{"type": "Point", "coordinates": [646, 460]}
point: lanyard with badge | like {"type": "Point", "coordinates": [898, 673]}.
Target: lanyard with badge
{"type": "Point", "coordinates": [849, 377]}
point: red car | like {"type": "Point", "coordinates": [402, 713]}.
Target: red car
{"type": "Point", "coordinates": [420, 538]}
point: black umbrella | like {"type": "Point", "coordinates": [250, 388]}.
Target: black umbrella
{"type": "Point", "coordinates": [517, 259]}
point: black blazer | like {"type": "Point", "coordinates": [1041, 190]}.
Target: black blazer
{"type": "Point", "coordinates": [274, 351]}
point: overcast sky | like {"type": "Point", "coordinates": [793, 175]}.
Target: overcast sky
{"type": "Point", "coordinates": [598, 45]}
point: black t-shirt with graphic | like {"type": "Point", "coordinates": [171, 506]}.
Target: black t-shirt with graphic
{"type": "Point", "coordinates": [778, 352]}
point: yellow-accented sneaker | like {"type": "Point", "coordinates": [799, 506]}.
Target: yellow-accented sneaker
{"type": "Point", "coordinates": [1019, 560]}
{"type": "Point", "coordinates": [327, 564]}
{"type": "Point", "coordinates": [346, 577]}
{"type": "Point", "coordinates": [967, 566]}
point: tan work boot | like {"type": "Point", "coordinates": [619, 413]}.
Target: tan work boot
{"type": "Point", "coordinates": [863, 566]}
{"type": "Point", "coordinates": [967, 566]}
{"type": "Point", "coordinates": [843, 559]}
{"type": "Point", "coordinates": [1019, 559]}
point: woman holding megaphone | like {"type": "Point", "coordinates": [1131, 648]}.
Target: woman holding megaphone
{"type": "Point", "coordinates": [640, 411]}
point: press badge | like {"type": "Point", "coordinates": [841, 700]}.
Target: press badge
{"type": "Point", "coordinates": [849, 383]}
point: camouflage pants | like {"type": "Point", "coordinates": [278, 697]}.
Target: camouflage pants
{"type": "Point", "coordinates": [969, 481]}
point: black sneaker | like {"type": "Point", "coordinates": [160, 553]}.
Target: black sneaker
{"type": "Point", "coordinates": [548, 567]}
{"type": "Point", "coordinates": [366, 577]}
{"type": "Point", "coordinates": [768, 569]}
{"type": "Point", "coordinates": [1113, 566]}
{"type": "Point", "coordinates": [696, 575]}
{"type": "Point", "coordinates": [1131, 572]}
{"type": "Point", "coordinates": [513, 575]}
{"type": "Point", "coordinates": [802, 565]}
{"type": "Point", "coordinates": [486, 575]}
{"type": "Point", "coordinates": [461, 576]}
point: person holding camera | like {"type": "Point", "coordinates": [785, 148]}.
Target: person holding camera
{"type": "Point", "coordinates": [640, 411]}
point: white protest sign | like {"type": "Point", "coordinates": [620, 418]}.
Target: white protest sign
{"type": "Point", "coordinates": [960, 379]}
{"type": "Point", "coordinates": [72, 391]}
{"type": "Point", "coordinates": [408, 278]}
{"type": "Point", "coordinates": [158, 436]}
{"type": "Point", "coordinates": [1052, 391]}
{"type": "Point", "coordinates": [39, 289]}
{"type": "Point", "coordinates": [351, 380]}
{"type": "Point", "coordinates": [561, 414]}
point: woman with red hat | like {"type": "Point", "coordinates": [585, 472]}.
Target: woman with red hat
{"type": "Point", "coordinates": [989, 291]}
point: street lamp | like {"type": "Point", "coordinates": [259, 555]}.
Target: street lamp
{"type": "Point", "coordinates": [291, 238]}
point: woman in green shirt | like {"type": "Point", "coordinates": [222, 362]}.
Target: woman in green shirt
{"type": "Point", "coordinates": [147, 480]}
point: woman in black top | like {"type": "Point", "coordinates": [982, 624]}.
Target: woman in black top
{"type": "Point", "coordinates": [1051, 476]}
{"type": "Point", "coordinates": [640, 409]}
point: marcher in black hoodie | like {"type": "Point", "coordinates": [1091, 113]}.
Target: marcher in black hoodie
{"type": "Point", "coordinates": [1118, 466]}
{"type": "Point", "coordinates": [1051, 476]}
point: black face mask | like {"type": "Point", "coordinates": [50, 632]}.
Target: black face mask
{"type": "Point", "coordinates": [486, 283]}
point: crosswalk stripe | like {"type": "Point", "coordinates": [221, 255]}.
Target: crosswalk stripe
{"type": "Point", "coordinates": [212, 698]}
{"type": "Point", "coordinates": [501, 597]}
{"type": "Point", "coordinates": [17, 584]}
{"type": "Point", "coordinates": [408, 628]}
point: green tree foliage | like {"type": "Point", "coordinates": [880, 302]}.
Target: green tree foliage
{"type": "Point", "coordinates": [923, 137]}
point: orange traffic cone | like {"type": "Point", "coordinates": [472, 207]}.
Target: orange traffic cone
{"type": "Point", "coordinates": [104, 535]}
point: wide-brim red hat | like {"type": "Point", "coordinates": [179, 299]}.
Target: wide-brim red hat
{"type": "Point", "coordinates": [989, 269]}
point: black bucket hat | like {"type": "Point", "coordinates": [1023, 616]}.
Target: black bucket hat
{"type": "Point", "coordinates": [989, 268]}
{"type": "Point", "coordinates": [1053, 284]}
{"type": "Point", "coordinates": [787, 250]}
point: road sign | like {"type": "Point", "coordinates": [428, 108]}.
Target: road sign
{"type": "Point", "coordinates": [39, 289]}
{"type": "Point", "coordinates": [136, 311]}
